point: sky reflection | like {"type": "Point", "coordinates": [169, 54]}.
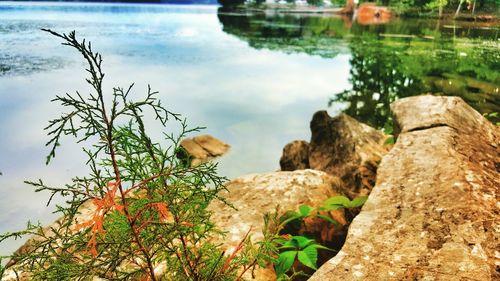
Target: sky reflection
{"type": "Point", "coordinates": [243, 96]}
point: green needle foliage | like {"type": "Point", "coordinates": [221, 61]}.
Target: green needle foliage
{"type": "Point", "coordinates": [149, 217]}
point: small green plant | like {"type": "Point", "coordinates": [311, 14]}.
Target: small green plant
{"type": "Point", "coordinates": [295, 249]}
{"type": "Point", "coordinates": [149, 217]}
{"type": "Point", "coordinates": [388, 129]}
{"type": "Point", "coordinates": [493, 116]}
{"type": "Point", "coordinates": [338, 202]}
{"type": "Point", "coordinates": [333, 203]}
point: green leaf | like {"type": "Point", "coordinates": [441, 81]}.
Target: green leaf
{"type": "Point", "coordinates": [358, 202]}
{"type": "Point", "coordinates": [337, 201]}
{"type": "Point", "coordinates": [308, 256]}
{"type": "Point", "coordinates": [318, 246]}
{"type": "Point", "coordinates": [289, 214]}
{"type": "Point", "coordinates": [388, 128]}
{"type": "Point", "coordinates": [305, 210]}
{"type": "Point", "coordinates": [302, 241]}
{"type": "Point", "coordinates": [287, 247]}
{"type": "Point", "coordinates": [280, 240]}
{"type": "Point", "coordinates": [289, 217]}
{"type": "Point", "coordinates": [319, 209]}
{"type": "Point", "coordinates": [390, 140]}
{"type": "Point", "coordinates": [291, 243]}
{"type": "Point", "coordinates": [285, 262]}
{"type": "Point", "coordinates": [333, 207]}
{"type": "Point", "coordinates": [328, 219]}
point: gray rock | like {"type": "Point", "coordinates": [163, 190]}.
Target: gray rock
{"type": "Point", "coordinates": [434, 212]}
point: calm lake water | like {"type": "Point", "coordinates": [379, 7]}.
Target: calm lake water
{"type": "Point", "coordinates": [253, 78]}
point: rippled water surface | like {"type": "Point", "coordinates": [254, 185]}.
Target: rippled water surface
{"type": "Point", "coordinates": [253, 78]}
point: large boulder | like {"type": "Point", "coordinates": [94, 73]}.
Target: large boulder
{"type": "Point", "coordinates": [257, 194]}
{"type": "Point", "coordinates": [340, 146]}
{"type": "Point", "coordinates": [434, 212]}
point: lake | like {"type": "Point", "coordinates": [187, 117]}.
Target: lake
{"type": "Point", "coordinates": [253, 78]}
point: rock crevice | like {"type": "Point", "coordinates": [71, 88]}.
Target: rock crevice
{"type": "Point", "coordinates": [434, 212]}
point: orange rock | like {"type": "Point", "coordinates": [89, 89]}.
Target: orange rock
{"type": "Point", "coordinates": [370, 13]}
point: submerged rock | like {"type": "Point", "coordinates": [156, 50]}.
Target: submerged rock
{"type": "Point", "coordinates": [340, 146]}
{"type": "Point", "coordinates": [434, 212]}
{"type": "Point", "coordinates": [202, 148]}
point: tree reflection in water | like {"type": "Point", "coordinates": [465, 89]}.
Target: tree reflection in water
{"type": "Point", "coordinates": [395, 60]}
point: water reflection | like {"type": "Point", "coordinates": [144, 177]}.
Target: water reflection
{"type": "Point", "coordinates": [382, 71]}
{"type": "Point", "coordinates": [313, 35]}
{"type": "Point", "coordinates": [399, 59]}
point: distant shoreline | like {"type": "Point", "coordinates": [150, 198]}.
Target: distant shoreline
{"type": "Point", "coordinates": [180, 2]}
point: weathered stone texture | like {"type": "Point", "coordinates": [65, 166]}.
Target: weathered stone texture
{"type": "Point", "coordinates": [257, 194]}
{"type": "Point", "coordinates": [434, 212]}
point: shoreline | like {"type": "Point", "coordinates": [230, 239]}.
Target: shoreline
{"type": "Point", "coordinates": [338, 11]}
